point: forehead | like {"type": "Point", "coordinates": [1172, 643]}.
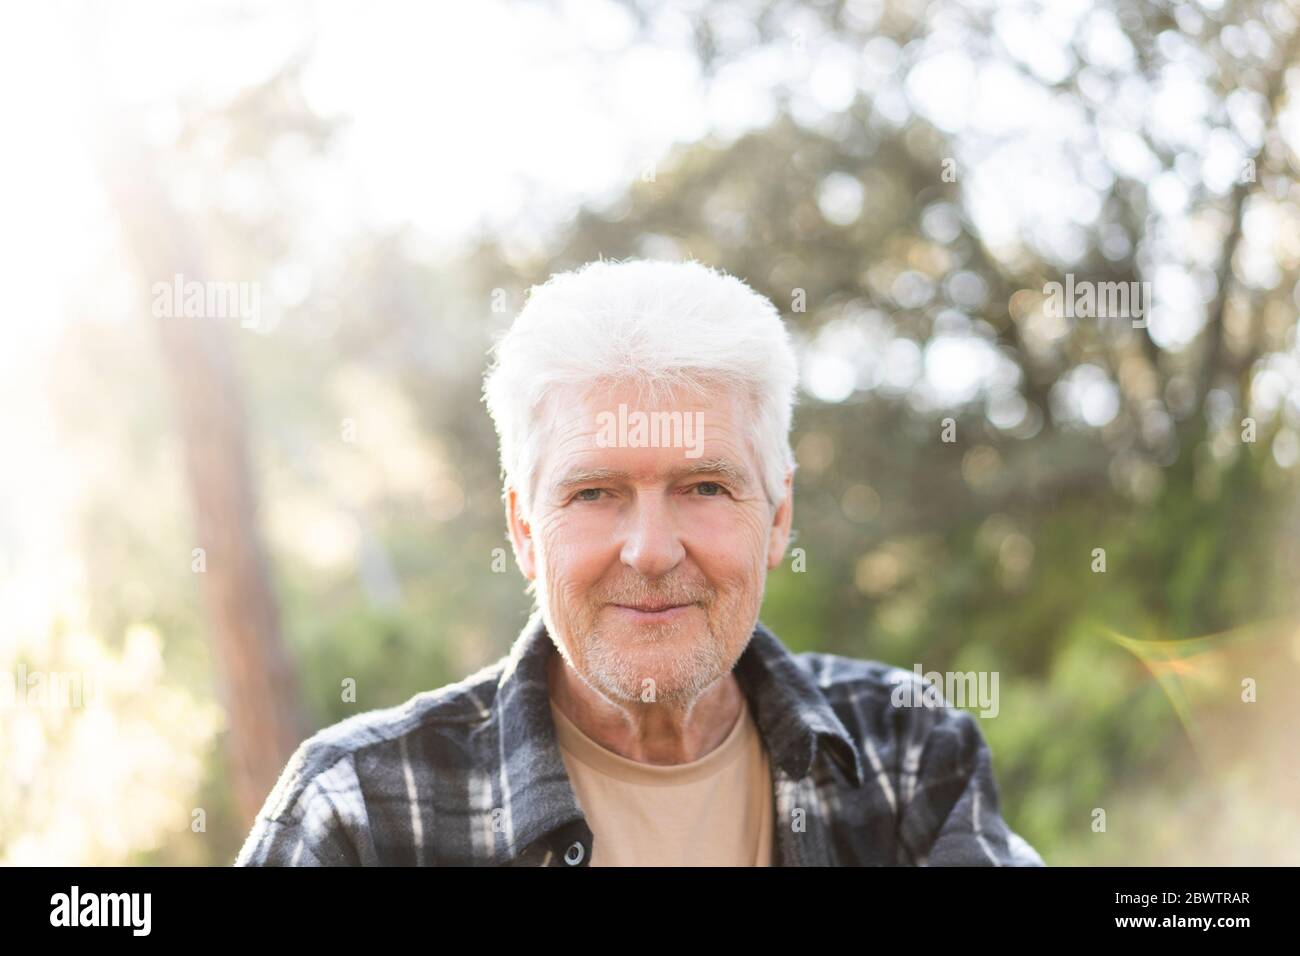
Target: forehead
{"type": "Point", "coordinates": [651, 435]}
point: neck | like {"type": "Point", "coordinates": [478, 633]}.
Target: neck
{"type": "Point", "coordinates": [660, 732]}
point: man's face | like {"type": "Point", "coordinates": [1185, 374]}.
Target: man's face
{"type": "Point", "coordinates": [650, 561]}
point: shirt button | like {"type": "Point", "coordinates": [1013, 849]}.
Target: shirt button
{"type": "Point", "coordinates": [574, 854]}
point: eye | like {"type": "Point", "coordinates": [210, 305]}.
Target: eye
{"type": "Point", "coordinates": [592, 493]}
{"type": "Point", "coordinates": [710, 489]}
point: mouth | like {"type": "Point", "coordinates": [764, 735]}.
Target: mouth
{"type": "Point", "coordinates": [651, 613]}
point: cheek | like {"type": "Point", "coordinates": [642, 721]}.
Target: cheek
{"type": "Point", "coordinates": [575, 552]}
{"type": "Point", "coordinates": [731, 544]}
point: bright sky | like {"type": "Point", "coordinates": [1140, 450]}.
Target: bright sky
{"type": "Point", "coordinates": [486, 112]}
{"type": "Point", "coordinates": [507, 114]}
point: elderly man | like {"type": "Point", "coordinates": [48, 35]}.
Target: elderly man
{"type": "Point", "coordinates": [645, 716]}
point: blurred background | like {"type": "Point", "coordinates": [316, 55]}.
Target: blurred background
{"type": "Point", "coordinates": [224, 525]}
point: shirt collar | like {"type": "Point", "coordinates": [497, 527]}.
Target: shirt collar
{"type": "Point", "coordinates": [793, 717]}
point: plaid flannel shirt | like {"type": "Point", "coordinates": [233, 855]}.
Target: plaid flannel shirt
{"type": "Point", "coordinates": [471, 774]}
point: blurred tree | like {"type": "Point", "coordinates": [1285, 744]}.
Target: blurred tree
{"type": "Point", "coordinates": [260, 688]}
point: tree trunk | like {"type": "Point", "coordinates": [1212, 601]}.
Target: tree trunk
{"type": "Point", "coordinates": [259, 686]}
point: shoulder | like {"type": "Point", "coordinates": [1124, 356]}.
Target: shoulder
{"type": "Point", "coordinates": [332, 804]}
{"type": "Point", "coordinates": [930, 757]}
{"type": "Point", "coordinates": [893, 709]}
{"type": "Point", "coordinates": [859, 684]}
{"type": "Point", "coordinates": [330, 762]}
{"type": "Point", "coordinates": [838, 674]}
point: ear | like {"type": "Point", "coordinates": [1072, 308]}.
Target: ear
{"type": "Point", "coordinates": [521, 536]}
{"type": "Point", "coordinates": [779, 534]}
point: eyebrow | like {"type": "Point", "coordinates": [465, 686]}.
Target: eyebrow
{"type": "Point", "coordinates": [707, 466]}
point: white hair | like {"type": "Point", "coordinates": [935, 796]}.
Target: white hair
{"type": "Point", "coordinates": [661, 326]}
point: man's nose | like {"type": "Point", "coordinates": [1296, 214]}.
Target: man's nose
{"type": "Point", "coordinates": [652, 545]}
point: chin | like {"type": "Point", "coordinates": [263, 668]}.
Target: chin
{"type": "Point", "coordinates": [646, 638]}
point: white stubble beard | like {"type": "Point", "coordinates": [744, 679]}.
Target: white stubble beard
{"type": "Point", "coordinates": [615, 670]}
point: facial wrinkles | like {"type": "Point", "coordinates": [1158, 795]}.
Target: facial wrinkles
{"type": "Point", "coordinates": [722, 570]}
